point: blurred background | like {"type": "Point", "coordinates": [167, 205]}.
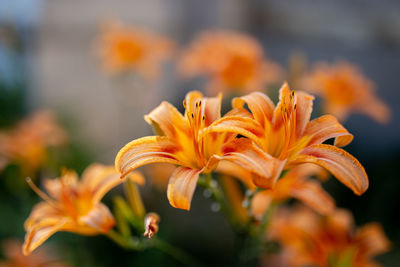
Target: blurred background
{"type": "Point", "coordinates": [48, 61]}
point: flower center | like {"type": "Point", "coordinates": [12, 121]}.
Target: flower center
{"type": "Point", "coordinates": [195, 113]}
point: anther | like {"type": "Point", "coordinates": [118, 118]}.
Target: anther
{"type": "Point", "coordinates": [192, 115]}
{"type": "Point", "coordinates": [295, 106]}
{"type": "Point", "coordinates": [184, 103]}
{"type": "Point", "coordinates": [292, 94]}
{"type": "Point", "coordinates": [204, 117]}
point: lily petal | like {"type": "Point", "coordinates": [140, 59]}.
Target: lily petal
{"type": "Point", "coordinates": [304, 103]}
{"type": "Point", "coordinates": [238, 125]}
{"type": "Point", "coordinates": [166, 120]}
{"type": "Point", "coordinates": [372, 239]}
{"type": "Point", "coordinates": [260, 105]}
{"type": "Point", "coordinates": [341, 164]}
{"type": "Point", "coordinates": [146, 150]}
{"type": "Point", "coordinates": [313, 195]}
{"type": "Point", "coordinates": [377, 109]}
{"type": "Point", "coordinates": [181, 187]}
{"type": "Point", "coordinates": [326, 127]}
{"type": "Point", "coordinates": [99, 218]}
{"type": "Point", "coordinates": [229, 168]}
{"type": "Point", "coordinates": [40, 211]}
{"type": "Point", "coordinates": [99, 179]}
{"type": "Point", "coordinates": [265, 168]}
{"type": "Point", "coordinates": [39, 233]}
{"type": "Point", "coordinates": [212, 109]}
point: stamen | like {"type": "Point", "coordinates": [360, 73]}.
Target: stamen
{"type": "Point", "coordinates": [192, 116]}
{"type": "Point", "coordinates": [184, 103]}
{"type": "Point", "coordinates": [204, 117]}
{"type": "Point", "coordinates": [39, 192]}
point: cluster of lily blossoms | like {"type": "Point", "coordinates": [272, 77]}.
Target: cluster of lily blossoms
{"type": "Point", "coordinates": [251, 159]}
{"type": "Point", "coordinates": [264, 140]}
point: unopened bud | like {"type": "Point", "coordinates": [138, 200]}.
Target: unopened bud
{"type": "Point", "coordinates": [151, 224]}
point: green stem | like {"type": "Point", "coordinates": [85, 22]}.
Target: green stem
{"type": "Point", "coordinates": [217, 194]}
{"type": "Point", "coordinates": [175, 252]}
{"type": "Point", "coordinates": [127, 243]}
{"type": "Point", "coordinates": [139, 245]}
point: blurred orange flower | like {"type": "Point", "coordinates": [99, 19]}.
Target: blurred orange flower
{"type": "Point", "coordinates": [286, 137]}
{"type": "Point", "coordinates": [312, 240]}
{"type": "Point", "coordinates": [15, 258]}
{"type": "Point", "coordinates": [296, 184]}
{"type": "Point", "coordinates": [232, 61]}
{"type": "Point", "coordinates": [346, 89]}
{"type": "Point", "coordinates": [183, 141]}
{"type": "Point", "coordinates": [73, 205]}
{"type": "Point", "coordinates": [124, 48]}
{"type": "Point", "coordinates": [26, 144]}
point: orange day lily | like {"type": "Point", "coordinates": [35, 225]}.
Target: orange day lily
{"type": "Point", "coordinates": [346, 89]}
{"type": "Point", "coordinates": [73, 205]}
{"type": "Point", "coordinates": [232, 61]}
{"type": "Point", "coordinates": [296, 184]}
{"type": "Point", "coordinates": [286, 137]}
{"type": "Point", "coordinates": [27, 143]}
{"type": "Point", "coordinates": [312, 240]}
{"type": "Point", "coordinates": [15, 258]}
{"type": "Point", "coordinates": [124, 48]}
{"type": "Point", "coordinates": [181, 141]}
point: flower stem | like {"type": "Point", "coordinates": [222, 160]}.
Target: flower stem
{"type": "Point", "coordinates": [174, 252]}
{"type": "Point", "coordinates": [217, 194]}
{"type": "Point", "coordinates": [137, 244]}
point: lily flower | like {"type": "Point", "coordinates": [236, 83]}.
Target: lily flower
{"type": "Point", "coordinates": [345, 89]}
{"type": "Point", "coordinates": [124, 48]}
{"type": "Point", "coordinates": [26, 144]}
{"type": "Point", "coordinates": [312, 240]}
{"type": "Point", "coordinates": [72, 205]}
{"type": "Point", "coordinates": [296, 184]}
{"type": "Point", "coordinates": [180, 141]}
{"type": "Point", "coordinates": [15, 258]}
{"type": "Point", "coordinates": [287, 137]}
{"type": "Point", "coordinates": [232, 61]}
